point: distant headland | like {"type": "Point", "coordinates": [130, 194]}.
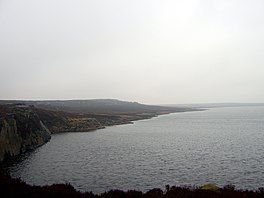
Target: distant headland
{"type": "Point", "coordinates": [25, 125]}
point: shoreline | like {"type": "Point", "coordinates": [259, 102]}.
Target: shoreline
{"type": "Point", "coordinates": [133, 121]}
{"type": "Point", "coordinates": [15, 158]}
{"type": "Point", "coordinates": [139, 189]}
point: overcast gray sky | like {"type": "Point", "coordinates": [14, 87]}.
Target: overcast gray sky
{"type": "Point", "coordinates": [150, 51]}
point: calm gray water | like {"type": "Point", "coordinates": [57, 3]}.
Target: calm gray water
{"type": "Point", "coordinates": [220, 145]}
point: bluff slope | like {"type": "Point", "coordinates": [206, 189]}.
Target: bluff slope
{"type": "Point", "coordinates": [25, 125]}
{"type": "Point", "coordinates": [20, 130]}
{"type": "Point", "coordinates": [100, 106]}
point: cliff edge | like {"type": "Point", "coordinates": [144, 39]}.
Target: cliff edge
{"type": "Point", "coordinates": [26, 125]}
{"type": "Point", "coordinates": [20, 130]}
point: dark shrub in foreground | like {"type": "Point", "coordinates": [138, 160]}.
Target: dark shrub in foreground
{"type": "Point", "coordinates": [16, 188]}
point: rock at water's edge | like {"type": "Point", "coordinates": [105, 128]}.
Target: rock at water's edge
{"type": "Point", "coordinates": [20, 130]}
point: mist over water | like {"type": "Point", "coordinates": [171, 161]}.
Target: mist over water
{"type": "Point", "coordinates": [220, 145]}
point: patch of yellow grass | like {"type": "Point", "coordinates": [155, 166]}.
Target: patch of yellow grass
{"type": "Point", "coordinates": [211, 187]}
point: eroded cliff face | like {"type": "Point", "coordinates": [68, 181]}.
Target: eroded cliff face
{"type": "Point", "coordinates": [25, 127]}
{"type": "Point", "coordinates": [59, 122]}
{"type": "Point", "coordinates": [20, 130]}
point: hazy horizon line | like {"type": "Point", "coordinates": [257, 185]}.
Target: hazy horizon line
{"type": "Point", "coordinates": [124, 100]}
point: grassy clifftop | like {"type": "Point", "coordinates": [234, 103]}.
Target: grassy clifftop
{"type": "Point", "coordinates": [99, 106]}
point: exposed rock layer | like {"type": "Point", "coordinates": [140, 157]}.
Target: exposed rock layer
{"type": "Point", "coordinates": [58, 121]}
{"type": "Point", "coordinates": [20, 130]}
{"type": "Point", "coordinates": [25, 125]}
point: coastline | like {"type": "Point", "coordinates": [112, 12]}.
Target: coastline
{"type": "Point", "coordinates": [246, 188]}
{"type": "Point", "coordinates": [25, 127]}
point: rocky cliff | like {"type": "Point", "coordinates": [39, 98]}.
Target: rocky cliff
{"type": "Point", "coordinates": [20, 130]}
{"type": "Point", "coordinates": [59, 121]}
{"type": "Point", "coordinates": [25, 125]}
